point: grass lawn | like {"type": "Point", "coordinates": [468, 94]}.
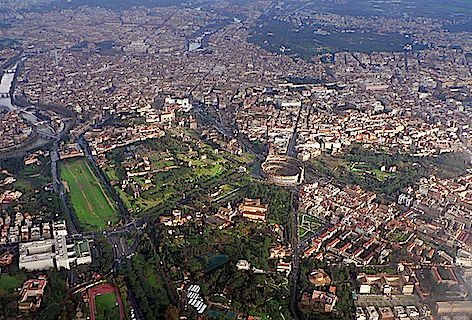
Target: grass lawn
{"type": "Point", "coordinates": [111, 174]}
{"type": "Point", "coordinates": [307, 226]}
{"type": "Point", "coordinates": [381, 175]}
{"type": "Point", "coordinates": [92, 205]}
{"type": "Point", "coordinates": [303, 233]}
{"type": "Point", "coordinates": [362, 168]}
{"type": "Point", "coordinates": [8, 284]}
{"type": "Point", "coordinates": [107, 307]}
{"type": "Point", "coordinates": [312, 219]}
{"type": "Point", "coordinates": [398, 236]}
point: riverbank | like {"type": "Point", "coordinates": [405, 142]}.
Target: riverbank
{"type": "Point", "coordinates": [42, 133]}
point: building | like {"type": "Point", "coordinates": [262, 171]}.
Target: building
{"type": "Point", "coordinates": [57, 252]}
{"type": "Point", "coordinates": [318, 301]}
{"type": "Point", "coordinates": [243, 265]}
{"type": "Point", "coordinates": [464, 258]}
{"type": "Point", "coordinates": [454, 308]}
{"type": "Point", "coordinates": [386, 313]}
{"type": "Point", "coordinates": [284, 267]}
{"type": "Point", "coordinates": [222, 219]}
{"type": "Point", "coordinates": [6, 259]}
{"type": "Point", "coordinates": [319, 278]}
{"type": "Point", "coordinates": [253, 209]}
{"type": "Point", "coordinates": [385, 284]}
{"type": "Point", "coordinates": [82, 252]}
{"type": "Point", "coordinates": [283, 170]}
{"type": "Point", "coordinates": [62, 253]}
{"type": "Point", "coordinates": [372, 312]}
{"type": "Point", "coordinates": [37, 255]}
{"type": "Point", "coordinates": [184, 103]}
{"type": "Point", "coordinates": [59, 228]}
{"type": "Point", "coordinates": [313, 249]}
{"type": "Point", "coordinates": [360, 314]}
{"type": "Point", "coordinates": [444, 275]}
{"type": "Point", "coordinates": [32, 293]}
{"type": "Point", "coordinates": [195, 298]}
{"type": "Point", "coordinates": [71, 150]}
{"type": "Point", "coordinates": [167, 117]}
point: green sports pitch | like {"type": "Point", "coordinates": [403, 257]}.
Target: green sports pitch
{"type": "Point", "coordinates": [107, 307]}
{"type": "Point", "coordinates": [92, 205]}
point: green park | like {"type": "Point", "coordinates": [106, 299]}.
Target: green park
{"type": "Point", "coordinates": [308, 226]}
{"type": "Point", "coordinates": [179, 170]}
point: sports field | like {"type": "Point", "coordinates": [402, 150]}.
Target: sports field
{"type": "Point", "coordinates": [105, 303]}
{"type": "Point", "coordinates": [93, 207]}
{"type": "Point", "coordinates": [107, 307]}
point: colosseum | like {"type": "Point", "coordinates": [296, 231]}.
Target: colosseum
{"type": "Point", "coordinates": [283, 170]}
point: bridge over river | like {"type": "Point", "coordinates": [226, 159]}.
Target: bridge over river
{"type": "Point", "coordinates": [42, 133]}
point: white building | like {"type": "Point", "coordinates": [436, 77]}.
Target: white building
{"type": "Point", "coordinates": [464, 258]}
{"type": "Point", "coordinates": [55, 252]}
{"type": "Point", "coordinates": [243, 265]}
{"type": "Point", "coordinates": [195, 298]}
{"type": "Point", "coordinates": [360, 314]}
{"type": "Point", "coordinates": [372, 312]}
{"type": "Point", "coordinates": [184, 102]}
{"type": "Point", "coordinates": [82, 252]}
{"type": "Point", "coordinates": [37, 255]}
{"type": "Point", "coordinates": [284, 267]}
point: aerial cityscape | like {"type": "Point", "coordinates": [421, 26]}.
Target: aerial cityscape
{"type": "Point", "coordinates": [236, 159]}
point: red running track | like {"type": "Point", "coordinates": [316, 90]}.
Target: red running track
{"type": "Point", "coordinates": [104, 289]}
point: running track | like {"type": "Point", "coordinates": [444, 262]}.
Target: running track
{"type": "Point", "coordinates": [104, 289]}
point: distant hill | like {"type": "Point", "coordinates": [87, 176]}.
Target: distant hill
{"type": "Point", "coordinates": [109, 4]}
{"type": "Point", "coordinates": [442, 9]}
